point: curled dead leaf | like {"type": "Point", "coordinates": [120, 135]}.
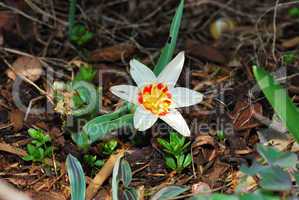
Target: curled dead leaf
{"type": "Point", "coordinates": [29, 67]}
{"type": "Point", "coordinates": [201, 188]}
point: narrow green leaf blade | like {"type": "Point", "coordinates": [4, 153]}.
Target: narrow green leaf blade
{"type": "Point", "coordinates": [76, 177]}
{"type": "Point", "coordinates": [126, 173]}
{"type": "Point", "coordinates": [169, 192]}
{"type": "Point", "coordinates": [215, 196]}
{"type": "Point", "coordinates": [115, 179]}
{"type": "Point", "coordinates": [279, 99]}
{"type": "Point", "coordinates": [168, 50]}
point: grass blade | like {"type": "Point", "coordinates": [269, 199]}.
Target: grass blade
{"type": "Point", "coordinates": [279, 100]}
{"type": "Point", "coordinates": [76, 177]}
{"type": "Point", "coordinates": [168, 50]}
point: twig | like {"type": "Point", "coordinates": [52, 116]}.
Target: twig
{"type": "Point", "coordinates": [24, 14]}
{"type": "Point", "coordinates": [99, 179]}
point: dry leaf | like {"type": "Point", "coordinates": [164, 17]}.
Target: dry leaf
{"type": "Point", "coordinates": [291, 43]}
{"type": "Point", "coordinates": [113, 53]}
{"type": "Point", "coordinates": [30, 67]}
{"type": "Point", "coordinates": [201, 188]}
{"type": "Point", "coordinates": [16, 118]}
{"type": "Point", "coordinates": [47, 195]}
{"type": "Point", "coordinates": [102, 175]}
{"type": "Point", "coordinates": [206, 52]}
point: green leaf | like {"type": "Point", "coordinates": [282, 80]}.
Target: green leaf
{"type": "Point", "coordinates": [126, 173]}
{"type": "Point", "coordinates": [253, 170]}
{"type": "Point", "coordinates": [296, 175]}
{"type": "Point", "coordinates": [40, 154]}
{"type": "Point", "coordinates": [96, 130]}
{"type": "Point", "coordinates": [48, 151]}
{"type": "Point", "coordinates": [275, 179]}
{"type": "Point", "coordinates": [88, 94]}
{"type": "Point", "coordinates": [34, 133]}
{"type": "Point", "coordinates": [168, 50]}
{"type": "Point", "coordinates": [288, 58]}
{"type": "Point", "coordinates": [115, 179]}
{"type": "Point", "coordinates": [170, 162]}
{"type": "Point", "coordinates": [31, 149]}
{"type": "Point", "coordinates": [293, 12]}
{"type": "Point", "coordinates": [258, 196]}
{"type": "Point", "coordinates": [99, 163]}
{"type": "Point", "coordinates": [76, 177]}
{"type": "Point", "coordinates": [131, 194]}
{"type": "Point", "coordinates": [215, 196]}
{"type": "Point", "coordinates": [109, 147]}
{"type": "Point", "coordinates": [28, 158]}
{"type": "Point", "coordinates": [188, 160]}
{"type": "Point", "coordinates": [169, 193]}
{"type": "Point", "coordinates": [165, 144]}
{"type": "Point", "coordinates": [279, 99]}
{"type": "Point", "coordinates": [180, 161]}
{"type": "Point", "coordinates": [86, 73]}
{"type": "Point", "coordinates": [275, 157]}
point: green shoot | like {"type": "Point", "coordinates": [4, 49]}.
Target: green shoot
{"type": "Point", "coordinates": [39, 148]}
{"type": "Point", "coordinates": [288, 58]}
{"type": "Point", "coordinates": [175, 147]}
{"type": "Point", "coordinates": [80, 35]}
{"type": "Point", "coordinates": [294, 12]}
{"type": "Point", "coordinates": [109, 147]}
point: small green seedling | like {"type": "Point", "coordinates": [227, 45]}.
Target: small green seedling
{"type": "Point", "coordinates": [92, 161]}
{"type": "Point", "coordinates": [86, 73]}
{"type": "Point", "coordinates": [293, 12]}
{"type": "Point", "coordinates": [39, 148]}
{"type": "Point", "coordinates": [176, 144]}
{"type": "Point", "coordinates": [288, 58]}
{"type": "Point", "coordinates": [176, 160]}
{"type": "Point", "coordinates": [80, 35]}
{"type": "Point", "coordinates": [109, 147]}
{"type": "Point", "coordinates": [178, 163]}
{"type": "Point", "coordinates": [220, 135]}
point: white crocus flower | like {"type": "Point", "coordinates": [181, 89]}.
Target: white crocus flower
{"type": "Point", "coordinates": [156, 97]}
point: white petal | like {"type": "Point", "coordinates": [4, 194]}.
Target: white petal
{"type": "Point", "coordinates": [177, 122]}
{"type": "Point", "coordinates": [126, 92]}
{"type": "Point", "coordinates": [143, 119]}
{"type": "Point", "coordinates": [141, 74]}
{"type": "Point", "coordinates": [183, 97]}
{"type": "Point", "coordinates": [172, 71]}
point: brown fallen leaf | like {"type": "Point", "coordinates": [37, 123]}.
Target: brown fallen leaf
{"type": "Point", "coordinates": [206, 52]}
{"type": "Point", "coordinates": [16, 118]}
{"type": "Point", "coordinates": [47, 196]}
{"type": "Point", "coordinates": [30, 67]}
{"type": "Point", "coordinates": [7, 20]}
{"type": "Point", "coordinates": [113, 53]}
{"type": "Point", "coordinates": [105, 172]}
{"type": "Point", "coordinates": [243, 115]}
{"type": "Point", "coordinates": [13, 150]}
{"type": "Point", "coordinates": [291, 43]}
